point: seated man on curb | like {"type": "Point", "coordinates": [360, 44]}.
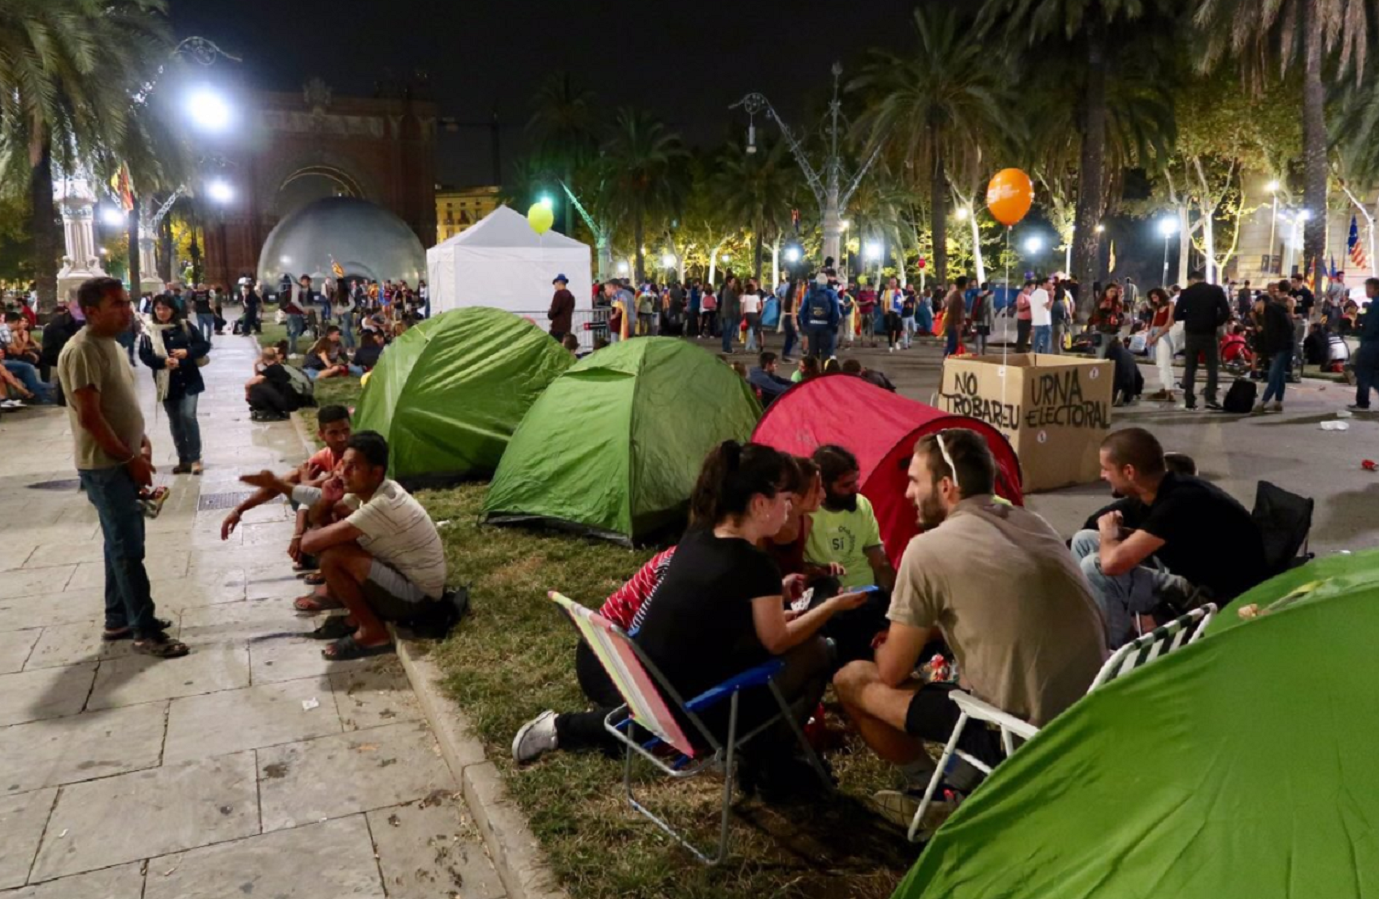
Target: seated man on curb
{"type": "Point", "coordinates": [999, 586]}
{"type": "Point", "coordinates": [380, 552]}
{"type": "Point", "coordinates": [1192, 542]}
{"type": "Point", "coordinates": [765, 379]}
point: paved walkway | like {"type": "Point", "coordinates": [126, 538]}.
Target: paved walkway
{"type": "Point", "coordinates": [251, 767]}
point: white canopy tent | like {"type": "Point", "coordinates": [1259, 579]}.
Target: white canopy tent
{"type": "Point", "coordinates": [501, 262]}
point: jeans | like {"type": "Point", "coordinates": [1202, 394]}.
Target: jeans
{"type": "Point", "coordinates": [1043, 338]}
{"type": "Point", "coordinates": [347, 330]}
{"type": "Point", "coordinates": [128, 599]}
{"type": "Point", "coordinates": [788, 327]}
{"type": "Point", "coordinates": [296, 324]}
{"type": "Point", "coordinates": [126, 340]}
{"type": "Point", "coordinates": [205, 323]}
{"type": "Point", "coordinates": [1278, 377]}
{"type": "Point", "coordinates": [28, 376]}
{"type": "Point", "coordinates": [1022, 329]}
{"type": "Point", "coordinates": [1056, 334]}
{"type": "Point", "coordinates": [250, 323]}
{"type": "Point", "coordinates": [1366, 372]}
{"type": "Point", "coordinates": [907, 322]}
{"type": "Point", "coordinates": [1122, 596]}
{"type": "Point", "coordinates": [1206, 345]}
{"type": "Point", "coordinates": [753, 331]}
{"type": "Point", "coordinates": [728, 330]}
{"type": "Point", "coordinates": [820, 341]}
{"type": "Point", "coordinates": [950, 346]}
{"type": "Point", "coordinates": [868, 324]}
{"type": "Point", "coordinates": [186, 433]}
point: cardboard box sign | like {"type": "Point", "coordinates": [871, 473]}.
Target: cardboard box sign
{"type": "Point", "coordinates": [1054, 410]}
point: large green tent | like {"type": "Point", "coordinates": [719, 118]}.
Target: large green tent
{"type": "Point", "coordinates": [1242, 765]}
{"type": "Point", "coordinates": [614, 445]}
{"type": "Point", "coordinates": [448, 393]}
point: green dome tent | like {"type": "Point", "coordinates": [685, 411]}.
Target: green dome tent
{"type": "Point", "coordinates": [614, 445]}
{"type": "Point", "coordinates": [449, 392]}
{"type": "Point", "coordinates": [1241, 765]}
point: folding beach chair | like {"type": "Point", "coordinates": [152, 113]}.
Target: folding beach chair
{"type": "Point", "coordinates": [650, 706]}
{"type": "Point", "coordinates": [1159, 642]}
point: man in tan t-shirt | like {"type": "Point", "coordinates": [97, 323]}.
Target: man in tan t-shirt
{"type": "Point", "coordinates": [997, 584]}
{"type": "Point", "coordinates": [113, 458]}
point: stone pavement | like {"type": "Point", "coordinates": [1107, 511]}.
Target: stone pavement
{"type": "Point", "coordinates": [252, 767]}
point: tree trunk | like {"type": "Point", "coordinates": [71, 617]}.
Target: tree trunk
{"type": "Point", "coordinates": [775, 261]}
{"type": "Point", "coordinates": [164, 249]}
{"type": "Point", "coordinates": [1314, 144]}
{"type": "Point", "coordinates": [977, 259]}
{"type": "Point", "coordinates": [1090, 199]}
{"type": "Point", "coordinates": [637, 235]}
{"type": "Point", "coordinates": [135, 290]}
{"type": "Point", "coordinates": [938, 211]}
{"type": "Point", "coordinates": [45, 229]}
{"type": "Point", "coordinates": [1184, 244]}
{"type": "Point", "coordinates": [756, 231]}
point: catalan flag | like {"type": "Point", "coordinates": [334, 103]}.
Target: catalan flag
{"type": "Point", "coordinates": [1357, 250]}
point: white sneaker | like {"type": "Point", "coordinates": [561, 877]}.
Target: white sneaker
{"type": "Point", "coordinates": [534, 738]}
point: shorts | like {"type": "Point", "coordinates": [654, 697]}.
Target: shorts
{"type": "Point", "coordinates": [391, 596]}
{"type": "Point", "coordinates": [932, 717]}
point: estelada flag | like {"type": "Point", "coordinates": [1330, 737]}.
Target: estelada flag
{"type": "Point", "coordinates": [124, 187]}
{"type": "Point", "coordinates": [335, 267]}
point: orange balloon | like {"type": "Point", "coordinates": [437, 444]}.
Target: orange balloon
{"type": "Point", "coordinates": [1009, 196]}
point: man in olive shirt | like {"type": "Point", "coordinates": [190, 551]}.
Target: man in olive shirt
{"type": "Point", "coordinates": [1001, 589]}
{"type": "Point", "coordinates": [113, 457]}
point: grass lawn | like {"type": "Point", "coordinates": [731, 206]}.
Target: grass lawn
{"type": "Point", "coordinates": [513, 656]}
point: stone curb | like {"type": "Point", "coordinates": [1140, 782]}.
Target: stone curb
{"type": "Point", "coordinates": [516, 855]}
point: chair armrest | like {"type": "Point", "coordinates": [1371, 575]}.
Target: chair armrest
{"type": "Point", "coordinates": [985, 711]}
{"type": "Point", "coordinates": [752, 677]}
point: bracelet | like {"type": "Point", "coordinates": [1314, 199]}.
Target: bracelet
{"type": "Point", "coordinates": [130, 459]}
{"type": "Point", "coordinates": [296, 536]}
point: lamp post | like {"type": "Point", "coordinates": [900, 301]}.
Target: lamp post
{"type": "Point", "coordinates": [826, 183]}
{"type": "Point", "coordinates": [1272, 187]}
{"type": "Point", "coordinates": [1167, 228]}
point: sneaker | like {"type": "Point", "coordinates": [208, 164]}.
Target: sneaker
{"type": "Point", "coordinates": [1188, 407]}
{"type": "Point", "coordinates": [1214, 406]}
{"type": "Point", "coordinates": [1356, 407]}
{"type": "Point", "coordinates": [534, 738]}
{"type": "Point", "coordinates": [1277, 406]}
{"type": "Point", "coordinates": [899, 807]}
{"type": "Point", "coordinates": [1259, 409]}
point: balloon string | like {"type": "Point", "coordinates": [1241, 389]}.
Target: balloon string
{"type": "Point", "coordinates": [1010, 304]}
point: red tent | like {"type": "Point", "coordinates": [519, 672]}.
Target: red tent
{"type": "Point", "coordinates": [880, 428]}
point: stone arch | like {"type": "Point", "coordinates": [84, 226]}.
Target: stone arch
{"type": "Point", "coordinates": [320, 163]}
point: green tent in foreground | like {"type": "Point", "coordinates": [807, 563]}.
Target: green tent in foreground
{"type": "Point", "coordinates": [1245, 765]}
{"type": "Point", "coordinates": [448, 394]}
{"type": "Point", "coordinates": [614, 445]}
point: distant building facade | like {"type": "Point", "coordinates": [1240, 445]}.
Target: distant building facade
{"type": "Point", "coordinates": [459, 207]}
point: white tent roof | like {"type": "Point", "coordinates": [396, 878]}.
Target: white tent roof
{"type": "Point", "coordinates": [505, 227]}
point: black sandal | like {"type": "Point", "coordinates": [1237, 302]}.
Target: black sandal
{"type": "Point", "coordinates": [161, 646]}
{"type": "Point", "coordinates": [333, 628]}
{"type": "Point", "coordinates": [345, 649]}
{"type": "Point", "coordinates": [127, 633]}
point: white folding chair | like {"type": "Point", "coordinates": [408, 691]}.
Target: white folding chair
{"type": "Point", "coordinates": [1159, 642]}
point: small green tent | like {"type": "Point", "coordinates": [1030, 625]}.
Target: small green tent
{"type": "Point", "coordinates": [614, 445]}
{"type": "Point", "coordinates": [1239, 766]}
{"type": "Point", "coordinates": [448, 394]}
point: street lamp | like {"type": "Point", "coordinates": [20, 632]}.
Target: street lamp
{"type": "Point", "coordinates": [112, 217]}
{"type": "Point", "coordinates": [961, 213]}
{"type": "Point", "coordinates": [668, 261]}
{"type": "Point", "coordinates": [546, 201]}
{"type": "Point", "coordinates": [622, 268]}
{"type": "Point", "coordinates": [1167, 227]}
{"type": "Point", "coordinates": [792, 255]}
{"type": "Point", "coordinates": [825, 182]}
{"type": "Point", "coordinates": [209, 110]}
{"type": "Point", "coordinates": [1034, 245]}
{"type": "Point", "coordinates": [220, 191]}
{"type": "Point", "coordinates": [873, 250]}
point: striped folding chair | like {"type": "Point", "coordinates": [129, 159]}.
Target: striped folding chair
{"type": "Point", "coordinates": [1159, 642]}
{"type": "Point", "coordinates": [651, 705]}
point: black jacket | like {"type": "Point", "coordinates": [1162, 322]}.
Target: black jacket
{"type": "Point", "coordinates": [1202, 308]}
{"type": "Point", "coordinates": [186, 377]}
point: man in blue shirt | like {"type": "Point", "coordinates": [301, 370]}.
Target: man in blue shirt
{"type": "Point", "coordinates": [765, 379]}
{"type": "Point", "coordinates": [1367, 357]}
{"type": "Point", "coordinates": [819, 317]}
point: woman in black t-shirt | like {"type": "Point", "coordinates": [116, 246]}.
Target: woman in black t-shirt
{"type": "Point", "coordinates": [721, 607]}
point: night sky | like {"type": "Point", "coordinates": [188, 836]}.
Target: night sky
{"type": "Point", "coordinates": [684, 61]}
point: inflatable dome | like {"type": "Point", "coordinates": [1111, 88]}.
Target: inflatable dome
{"type": "Point", "coordinates": [365, 239]}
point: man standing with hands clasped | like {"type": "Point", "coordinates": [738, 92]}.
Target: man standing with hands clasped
{"type": "Point", "coordinates": [562, 309]}
{"type": "Point", "coordinates": [1202, 308]}
{"type": "Point", "coordinates": [113, 457]}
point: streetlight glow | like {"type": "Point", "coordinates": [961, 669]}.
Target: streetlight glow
{"type": "Point", "coordinates": [208, 110]}
{"type": "Point", "coordinates": [546, 201]}
{"type": "Point", "coordinates": [668, 260]}
{"type": "Point", "coordinates": [622, 268]}
{"type": "Point", "coordinates": [112, 217]}
{"type": "Point", "coordinates": [727, 258]}
{"type": "Point", "coordinates": [1272, 187]}
{"type": "Point", "coordinates": [873, 250]}
{"type": "Point", "coordinates": [1100, 229]}
{"type": "Point", "coordinates": [220, 191]}
{"type": "Point", "coordinates": [845, 224]}
{"type": "Point", "coordinates": [1305, 215]}
{"type": "Point", "coordinates": [961, 214]}
{"type": "Point", "coordinates": [792, 254]}
{"type": "Point", "coordinates": [1168, 227]}
{"type": "Point", "coordinates": [1033, 245]}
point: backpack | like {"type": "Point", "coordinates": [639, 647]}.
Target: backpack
{"type": "Point", "coordinates": [302, 386]}
{"type": "Point", "coordinates": [436, 619]}
{"type": "Point", "coordinates": [819, 307]}
{"type": "Point", "coordinates": [770, 313]}
{"type": "Point", "coordinates": [1240, 399]}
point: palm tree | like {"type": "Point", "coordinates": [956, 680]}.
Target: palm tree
{"type": "Point", "coordinates": [565, 126]}
{"type": "Point", "coordinates": [922, 106]}
{"type": "Point", "coordinates": [1317, 31]}
{"type": "Point", "coordinates": [68, 70]}
{"type": "Point", "coordinates": [640, 173]}
{"type": "Point", "coordinates": [1091, 29]}
{"type": "Point", "coordinates": [756, 189]}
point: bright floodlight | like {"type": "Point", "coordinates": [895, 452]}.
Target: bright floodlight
{"type": "Point", "coordinates": [111, 216]}
{"type": "Point", "coordinates": [792, 254]}
{"type": "Point", "coordinates": [1033, 245]}
{"type": "Point", "coordinates": [1100, 228]}
{"type": "Point", "coordinates": [961, 214]}
{"type": "Point", "coordinates": [845, 223]}
{"type": "Point", "coordinates": [1305, 214]}
{"type": "Point", "coordinates": [1272, 187]}
{"type": "Point", "coordinates": [208, 110]}
{"type": "Point", "coordinates": [104, 251]}
{"type": "Point", "coordinates": [220, 191]}
{"type": "Point", "coordinates": [1168, 227]}
{"type": "Point", "coordinates": [668, 260]}
{"type": "Point", "coordinates": [873, 250]}
{"type": "Point", "coordinates": [622, 268]}
{"type": "Point", "coordinates": [546, 201]}
{"type": "Point", "coordinates": [727, 257]}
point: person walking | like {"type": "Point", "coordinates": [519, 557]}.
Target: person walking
{"type": "Point", "coordinates": [114, 460]}
{"type": "Point", "coordinates": [343, 310]}
{"type": "Point", "coordinates": [203, 304]}
{"type": "Point", "coordinates": [1202, 308]}
{"type": "Point", "coordinates": [1060, 318]}
{"type": "Point", "coordinates": [751, 313]}
{"type": "Point", "coordinates": [983, 317]}
{"type": "Point", "coordinates": [866, 311]}
{"type": "Point", "coordinates": [819, 315]}
{"type": "Point", "coordinates": [562, 311]}
{"type": "Point", "coordinates": [729, 311]}
{"type": "Point", "coordinates": [954, 312]}
{"type": "Point", "coordinates": [847, 309]}
{"type": "Point", "coordinates": [1275, 342]}
{"type": "Point", "coordinates": [175, 351]}
{"type": "Point", "coordinates": [251, 322]}
{"type": "Point", "coordinates": [789, 306]}
{"type": "Point", "coordinates": [708, 305]}
{"type": "Point", "coordinates": [893, 301]}
{"type": "Point", "coordinates": [1023, 318]}
{"type": "Point", "coordinates": [1367, 357]}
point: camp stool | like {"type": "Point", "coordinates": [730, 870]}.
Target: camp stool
{"type": "Point", "coordinates": [650, 704]}
{"type": "Point", "coordinates": [1159, 642]}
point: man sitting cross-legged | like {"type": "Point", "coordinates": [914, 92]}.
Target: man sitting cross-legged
{"type": "Point", "coordinates": [380, 553]}
{"type": "Point", "coordinates": [996, 582]}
